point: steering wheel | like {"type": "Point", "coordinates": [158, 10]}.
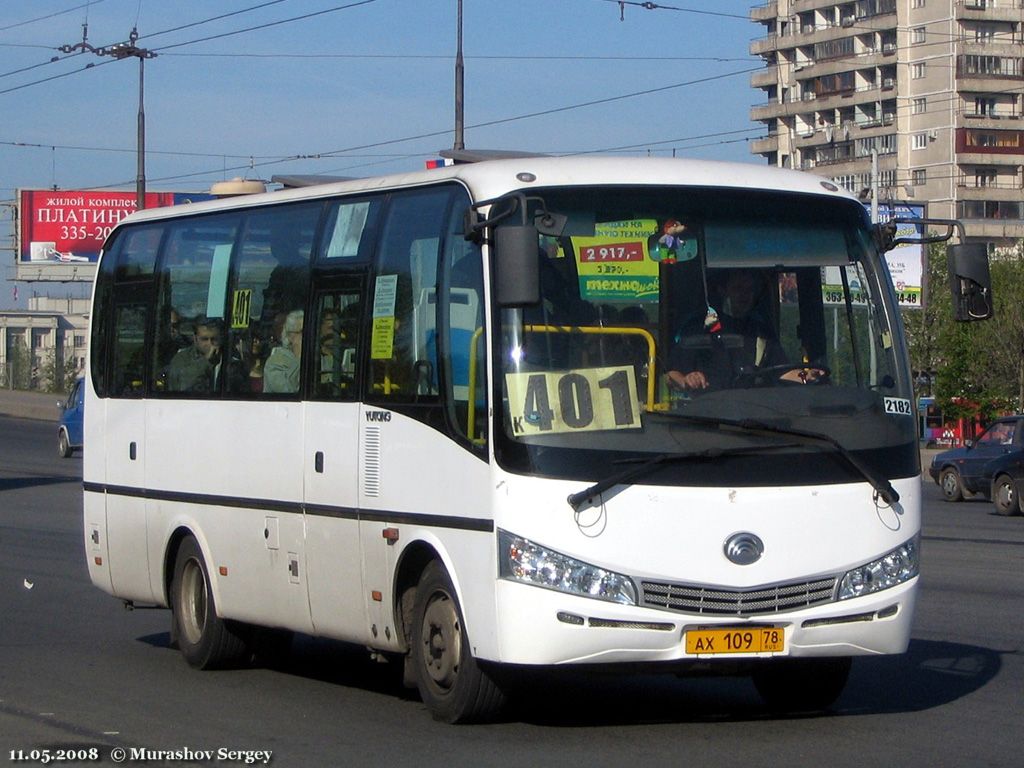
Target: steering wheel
{"type": "Point", "coordinates": [773, 375]}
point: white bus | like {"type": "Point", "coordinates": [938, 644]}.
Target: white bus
{"type": "Point", "coordinates": [530, 411]}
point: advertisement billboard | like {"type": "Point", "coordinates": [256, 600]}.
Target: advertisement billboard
{"type": "Point", "coordinates": [69, 227]}
{"type": "Point", "coordinates": [905, 261]}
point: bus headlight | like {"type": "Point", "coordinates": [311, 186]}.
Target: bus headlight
{"type": "Point", "coordinates": [521, 560]}
{"type": "Point", "coordinates": [896, 567]}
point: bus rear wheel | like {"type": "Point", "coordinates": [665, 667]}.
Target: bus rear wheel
{"type": "Point", "coordinates": [204, 639]}
{"type": "Point", "coordinates": [450, 681]}
{"type": "Point", "coordinates": [801, 685]}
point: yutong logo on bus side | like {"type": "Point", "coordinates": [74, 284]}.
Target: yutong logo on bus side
{"type": "Point", "coordinates": [378, 415]}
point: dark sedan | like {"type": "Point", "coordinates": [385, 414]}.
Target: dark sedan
{"type": "Point", "coordinates": [964, 471]}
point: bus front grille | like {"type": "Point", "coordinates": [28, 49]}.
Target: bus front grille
{"type": "Point", "coordinates": [693, 598]}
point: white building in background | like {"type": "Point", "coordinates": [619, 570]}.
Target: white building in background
{"type": "Point", "coordinates": [932, 88]}
{"type": "Point", "coordinates": [51, 335]}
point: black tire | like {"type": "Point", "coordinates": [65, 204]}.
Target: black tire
{"type": "Point", "coordinates": [801, 685]}
{"type": "Point", "coordinates": [450, 681]}
{"type": "Point", "coordinates": [952, 487]}
{"type": "Point", "coordinates": [204, 639]}
{"type": "Point", "coordinates": [1004, 496]}
{"type": "Point", "coordinates": [64, 449]}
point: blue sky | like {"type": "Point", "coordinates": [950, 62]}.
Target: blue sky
{"type": "Point", "coordinates": [358, 87]}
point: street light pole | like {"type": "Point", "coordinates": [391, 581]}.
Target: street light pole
{"type": "Point", "coordinates": [126, 51]}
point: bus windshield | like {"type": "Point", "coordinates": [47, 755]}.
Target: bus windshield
{"type": "Point", "coordinates": [668, 316]}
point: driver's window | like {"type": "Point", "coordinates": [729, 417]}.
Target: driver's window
{"type": "Point", "coordinates": [997, 434]}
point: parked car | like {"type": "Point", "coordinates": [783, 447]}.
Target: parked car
{"type": "Point", "coordinates": [69, 427]}
{"type": "Point", "coordinates": [1007, 475]}
{"type": "Point", "coordinates": [965, 471]}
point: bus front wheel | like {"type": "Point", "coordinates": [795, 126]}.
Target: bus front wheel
{"type": "Point", "coordinates": [450, 681]}
{"type": "Point", "coordinates": [801, 685]}
{"type": "Point", "coordinates": [204, 639]}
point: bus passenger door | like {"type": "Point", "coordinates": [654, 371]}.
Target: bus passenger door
{"type": "Point", "coordinates": [125, 434]}
{"type": "Point", "coordinates": [332, 411]}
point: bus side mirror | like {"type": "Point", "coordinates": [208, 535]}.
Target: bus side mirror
{"type": "Point", "coordinates": [518, 270]}
{"type": "Point", "coordinates": [970, 282]}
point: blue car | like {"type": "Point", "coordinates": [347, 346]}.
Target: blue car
{"type": "Point", "coordinates": [965, 471]}
{"type": "Point", "coordinates": [69, 428]}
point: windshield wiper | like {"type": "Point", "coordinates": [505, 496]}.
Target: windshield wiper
{"type": "Point", "coordinates": [642, 467]}
{"type": "Point", "coordinates": [881, 485]}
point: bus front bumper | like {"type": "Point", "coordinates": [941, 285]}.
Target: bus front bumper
{"type": "Point", "coordinates": [545, 627]}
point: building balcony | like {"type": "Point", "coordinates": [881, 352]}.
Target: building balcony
{"type": "Point", "coordinates": [767, 77]}
{"type": "Point", "coordinates": [988, 10]}
{"type": "Point", "coordinates": [765, 146]}
{"type": "Point", "coordinates": [765, 12]}
{"type": "Point", "coordinates": [994, 122]}
{"type": "Point", "coordinates": [761, 113]}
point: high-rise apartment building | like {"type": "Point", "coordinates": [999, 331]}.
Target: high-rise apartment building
{"type": "Point", "coordinates": [930, 89]}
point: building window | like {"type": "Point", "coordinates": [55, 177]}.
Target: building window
{"type": "Point", "coordinates": [985, 177]}
{"type": "Point", "coordinates": [917, 35]}
{"type": "Point", "coordinates": [919, 177]}
{"type": "Point", "coordinates": [919, 140]}
{"type": "Point", "coordinates": [917, 70]}
{"type": "Point", "coordinates": [919, 106]}
{"type": "Point", "coordinates": [984, 106]}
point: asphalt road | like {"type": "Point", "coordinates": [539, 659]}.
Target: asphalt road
{"type": "Point", "coordinates": [78, 671]}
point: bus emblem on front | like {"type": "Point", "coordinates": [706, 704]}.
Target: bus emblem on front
{"type": "Point", "coordinates": [744, 548]}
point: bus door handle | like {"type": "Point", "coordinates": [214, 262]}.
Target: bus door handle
{"type": "Point", "coordinates": [133, 450]}
{"type": "Point", "coordinates": [318, 462]}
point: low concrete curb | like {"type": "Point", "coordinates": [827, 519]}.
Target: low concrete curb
{"type": "Point", "coordinates": [41, 406]}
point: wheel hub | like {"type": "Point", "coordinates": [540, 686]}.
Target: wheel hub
{"type": "Point", "coordinates": [442, 641]}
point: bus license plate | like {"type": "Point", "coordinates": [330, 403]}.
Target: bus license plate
{"type": "Point", "coordinates": [736, 640]}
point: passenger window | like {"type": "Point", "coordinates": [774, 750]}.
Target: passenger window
{"type": "Point", "coordinates": [193, 279]}
{"type": "Point", "coordinates": [337, 340]}
{"type": "Point", "coordinates": [403, 347]}
{"type": "Point", "coordinates": [271, 280]}
{"type": "Point", "coordinates": [129, 349]}
{"type": "Point", "coordinates": [123, 292]}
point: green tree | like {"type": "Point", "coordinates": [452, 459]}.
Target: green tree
{"type": "Point", "coordinates": [979, 366]}
{"type": "Point", "coordinates": [1004, 334]}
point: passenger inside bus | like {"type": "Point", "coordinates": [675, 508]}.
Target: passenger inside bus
{"type": "Point", "coordinates": [281, 371]}
{"type": "Point", "coordinates": [196, 368]}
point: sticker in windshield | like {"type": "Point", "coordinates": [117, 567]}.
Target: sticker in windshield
{"type": "Point", "coordinates": [582, 400]}
{"type": "Point", "coordinates": [899, 406]}
{"type": "Point", "coordinates": [617, 264]}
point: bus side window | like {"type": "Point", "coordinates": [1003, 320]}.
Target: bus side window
{"type": "Point", "coordinates": [270, 279]}
{"type": "Point", "coordinates": [403, 349]}
{"type": "Point", "coordinates": [337, 348]}
{"type": "Point", "coordinates": [124, 294]}
{"type": "Point", "coordinates": [128, 351]}
{"type": "Point", "coordinates": [193, 282]}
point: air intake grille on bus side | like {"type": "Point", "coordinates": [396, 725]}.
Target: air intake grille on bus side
{"type": "Point", "coordinates": [693, 598]}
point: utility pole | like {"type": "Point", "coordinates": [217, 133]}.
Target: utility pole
{"type": "Point", "coordinates": [459, 77]}
{"type": "Point", "coordinates": [126, 51]}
